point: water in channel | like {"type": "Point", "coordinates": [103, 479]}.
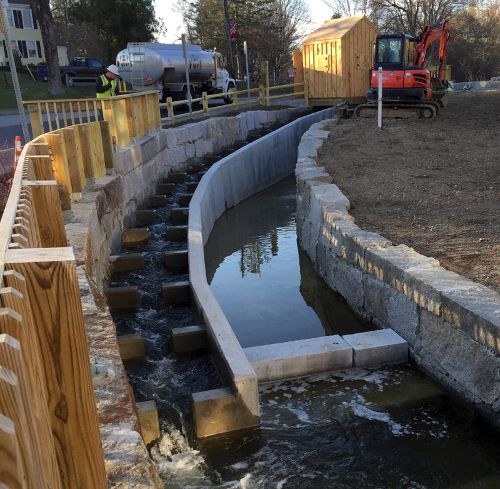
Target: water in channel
{"type": "Point", "coordinates": [389, 427]}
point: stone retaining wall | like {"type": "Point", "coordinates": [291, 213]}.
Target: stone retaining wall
{"type": "Point", "coordinates": [451, 324]}
{"type": "Point", "coordinates": [245, 172]}
{"type": "Point", "coordinates": [94, 227]}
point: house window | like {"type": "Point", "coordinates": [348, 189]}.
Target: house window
{"type": "Point", "coordinates": [27, 19]}
{"type": "Point", "coordinates": [21, 19]}
{"type": "Point", "coordinates": [21, 46]}
{"type": "Point", "coordinates": [18, 19]}
{"type": "Point", "coordinates": [32, 51]}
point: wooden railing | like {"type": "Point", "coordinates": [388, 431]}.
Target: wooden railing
{"type": "Point", "coordinates": [239, 98]}
{"type": "Point", "coordinates": [49, 431]}
{"type": "Point", "coordinates": [129, 116]}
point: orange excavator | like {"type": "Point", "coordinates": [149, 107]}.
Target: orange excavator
{"type": "Point", "coordinates": [408, 89]}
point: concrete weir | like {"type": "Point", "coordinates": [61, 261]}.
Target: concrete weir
{"type": "Point", "coordinates": [451, 324]}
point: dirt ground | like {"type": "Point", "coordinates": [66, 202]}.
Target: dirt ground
{"type": "Point", "coordinates": [432, 185]}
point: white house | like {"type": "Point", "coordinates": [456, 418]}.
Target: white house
{"type": "Point", "coordinates": [24, 33]}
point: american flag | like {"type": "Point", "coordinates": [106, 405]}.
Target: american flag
{"type": "Point", "coordinates": [233, 28]}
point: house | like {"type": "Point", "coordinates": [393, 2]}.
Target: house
{"type": "Point", "coordinates": [24, 34]}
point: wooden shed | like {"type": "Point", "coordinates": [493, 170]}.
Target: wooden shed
{"type": "Point", "coordinates": [337, 59]}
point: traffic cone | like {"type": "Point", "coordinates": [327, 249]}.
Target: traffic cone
{"type": "Point", "coordinates": [17, 148]}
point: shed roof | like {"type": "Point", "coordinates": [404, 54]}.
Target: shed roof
{"type": "Point", "coordinates": [334, 29]}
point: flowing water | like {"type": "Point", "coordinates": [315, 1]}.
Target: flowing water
{"type": "Point", "coordinates": [389, 427]}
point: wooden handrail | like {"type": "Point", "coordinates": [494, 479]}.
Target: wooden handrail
{"type": "Point", "coordinates": [264, 98]}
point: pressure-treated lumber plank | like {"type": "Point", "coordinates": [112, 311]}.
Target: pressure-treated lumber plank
{"type": "Point", "coordinates": [47, 207]}
{"type": "Point", "coordinates": [11, 466]}
{"type": "Point", "coordinates": [74, 158]}
{"type": "Point", "coordinates": [52, 287]}
{"type": "Point", "coordinates": [37, 419]}
{"type": "Point", "coordinates": [60, 161]}
{"type": "Point", "coordinates": [11, 406]}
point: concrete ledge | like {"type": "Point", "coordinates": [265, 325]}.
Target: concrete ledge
{"type": "Point", "coordinates": [451, 324]}
{"type": "Point", "coordinates": [299, 358]}
{"type": "Point", "coordinates": [379, 347]}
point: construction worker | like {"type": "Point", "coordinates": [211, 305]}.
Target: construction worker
{"type": "Point", "coordinates": [107, 84]}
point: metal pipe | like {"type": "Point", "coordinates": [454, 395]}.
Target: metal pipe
{"type": "Point", "coordinates": [379, 109]}
{"type": "Point", "coordinates": [186, 66]}
{"type": "Point", "coordinates": [245, 48]}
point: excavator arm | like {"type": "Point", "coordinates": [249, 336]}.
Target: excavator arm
{"type": "Point", "coordinates": [437, 32]}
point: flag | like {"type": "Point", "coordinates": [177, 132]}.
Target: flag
{"type": "Point", "coordinates": [233, 29]}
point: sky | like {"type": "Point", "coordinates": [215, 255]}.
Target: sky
{"type": "Point", "coordinates": [167, 10]}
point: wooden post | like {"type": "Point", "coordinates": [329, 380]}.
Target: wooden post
{"type": "Point", "coordinates": [11, 406]}
{"type": "Point", "coordinates": [35, 112]}
{"type": "Point", "coordinates": [91, 148]}
{"type": "Point", "coordinates": [54, 295]}
{"type": "Point", "coordinates": [170, 109]}
{"type": "Point", "coordinates": [306, 91]}
{"type": "Point", "coordinates": [74, 158]}
{"type": "Point", "coordinates": [115, 111]}
{"type": "Point", "coordinates": [107, 143]}
{"type": "Point", "coordinates": [11, 466]}
{"type": "Point", "coordinates": [266, 83]}
{"type": "Point", "coordinates": [60, 162]}
{"type": "Point", "coordinates": [235, 100]}
{"type": "Point", "coordinates": [37, 419]}
{"type": "Point", "coordinates": [204, 102]}
{"type": "Point", "coordinates": [47, 206]}
{"type": "Point", "coordinates": [262, 95]}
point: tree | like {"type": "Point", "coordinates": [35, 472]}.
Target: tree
{"type": "Point", "coordinates": [474, 50]}
{"type": "Point", "coordinates": [43, 15]}
{"type": "Point", "coordinates": [117, 22]}
{"type": "Point", "coordinates": [272, 29]}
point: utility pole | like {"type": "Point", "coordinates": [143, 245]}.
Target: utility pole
{"type": "Point", "coordinates": [229, 45]}
{"type": "Point", "coordinates": [4, 28]}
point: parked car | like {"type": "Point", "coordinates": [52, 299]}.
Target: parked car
{"type": "Point", "coordinates": [80, 69]}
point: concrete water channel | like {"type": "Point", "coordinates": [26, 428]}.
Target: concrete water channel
{"type": "Point", "coordinates": [389, 427]}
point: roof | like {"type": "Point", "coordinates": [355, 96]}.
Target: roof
{"type": "Point", "coordinates": [334, 29]}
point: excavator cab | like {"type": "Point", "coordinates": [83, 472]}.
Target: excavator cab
{"type": "Point", "coordinates": [394, 51]}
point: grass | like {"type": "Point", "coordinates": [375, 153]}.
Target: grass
{"type": "Point", "coordinates": [35, 90]}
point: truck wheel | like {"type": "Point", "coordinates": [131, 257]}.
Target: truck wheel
{"type": "Point", "coordinates": [229, 98]}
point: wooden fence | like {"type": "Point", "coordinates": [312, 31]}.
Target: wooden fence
{"type": "Point", "coordinates": [238, 99]}
{"type": "Point", "coordinates": [129, 116]}
{"type": "Point", "coordinates": [49, 431]}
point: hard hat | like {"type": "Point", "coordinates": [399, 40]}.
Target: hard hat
{"type": "Point", "coordinates": [113, 69]}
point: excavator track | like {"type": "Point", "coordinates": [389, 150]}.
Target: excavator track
{"type": "Point", "coordinates": [399, 110]}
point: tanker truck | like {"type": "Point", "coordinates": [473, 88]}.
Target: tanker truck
{"type": "Point", "coordinates": [156, 66]}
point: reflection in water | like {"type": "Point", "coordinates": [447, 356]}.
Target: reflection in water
{"type": "Point", "coordinates": [265, 285]}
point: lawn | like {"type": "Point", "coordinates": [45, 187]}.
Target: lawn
{"type": "Point", "coordinates": [35, 90]}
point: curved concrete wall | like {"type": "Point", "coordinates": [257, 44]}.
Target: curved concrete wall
{"type": "Point", "coordinates": [451, 324]}
{"type": "Point", "coordinates": [231, 180]}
